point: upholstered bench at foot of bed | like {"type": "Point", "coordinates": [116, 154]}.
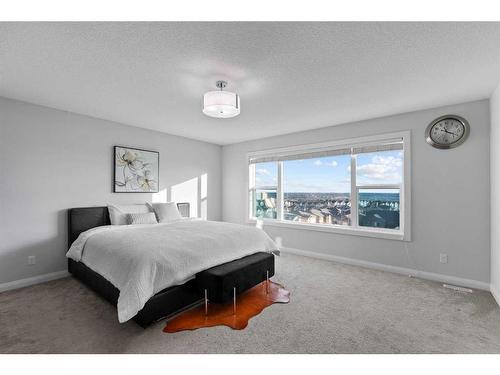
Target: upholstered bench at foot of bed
{"type": "Point", "coordinates": [242, 274]}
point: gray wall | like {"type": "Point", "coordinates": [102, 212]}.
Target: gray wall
{"type": "Point", "coordinates": [450, 196]}
{"type": "Point", "coordinates": [52, 160]}
{"type": "Point", "coordinates": [495, 192]}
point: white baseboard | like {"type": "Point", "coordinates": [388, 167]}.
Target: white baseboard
{"type": "Point", "coordinates": [16, 284]}
{"type": "Point", "coordinates": [495, 294]}
{"type": "Point", "coordinates": [400, 270]}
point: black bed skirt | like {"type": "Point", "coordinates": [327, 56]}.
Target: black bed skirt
{"type": "Point", "coordinates": [162, 305]}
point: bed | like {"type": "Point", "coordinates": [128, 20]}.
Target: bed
{"type": "Point", "coordinates": [165, 302]}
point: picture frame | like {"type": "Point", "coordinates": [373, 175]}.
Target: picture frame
{"type": "Point", "coordinates": [135, 170]}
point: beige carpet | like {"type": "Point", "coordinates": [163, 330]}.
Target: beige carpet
{"type": "Point", "coordinates": [334, 308]}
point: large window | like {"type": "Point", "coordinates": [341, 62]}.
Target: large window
{"type": "Point", "coordinates": [355, 186]}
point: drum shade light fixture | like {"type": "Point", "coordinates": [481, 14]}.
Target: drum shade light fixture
{"type": "Point", "coordinates": [221, 104]}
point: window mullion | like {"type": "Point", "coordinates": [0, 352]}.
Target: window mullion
{"type": "Point", "coordinates": [251, 190]}
{"type": "Point", "coordinates": [354, 193]}
{"type": "Point", "coordinates": [279, 192]}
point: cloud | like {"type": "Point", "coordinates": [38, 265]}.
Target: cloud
{"type": "Point", "coordinates": [332, 163]}
{"type": "Point", "coordinates": [263, 171]}
{"type": "Point", "coordinates": [381, 169]}
{"type": "Point", "coordinates": [263, 176]}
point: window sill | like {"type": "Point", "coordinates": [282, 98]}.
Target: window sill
{"type": "Point", "coordinates": [375, 233]}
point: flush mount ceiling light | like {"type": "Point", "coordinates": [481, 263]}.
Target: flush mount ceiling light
{"type": "Point", "coordinates": [221, 104]}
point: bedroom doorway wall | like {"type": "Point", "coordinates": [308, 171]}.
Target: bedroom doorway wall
{"type": "Point", "coordinates": [195, 192]}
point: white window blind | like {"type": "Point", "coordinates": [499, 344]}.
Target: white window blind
{"type": "Point", "coordinates": [393, 146]}
{"type": "Point", "coordinates": [319, 153]}
{"type": "Point", "coordinates": [396, 144]}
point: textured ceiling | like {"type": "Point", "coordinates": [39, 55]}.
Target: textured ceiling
{"type": "Point", "coordinates": [290, 76]}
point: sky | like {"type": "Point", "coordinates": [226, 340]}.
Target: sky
{"type": "Point", "coordinates": [332, 174]}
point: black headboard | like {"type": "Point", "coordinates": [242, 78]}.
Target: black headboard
{"type": "Point", "coordinates": [85, 218]}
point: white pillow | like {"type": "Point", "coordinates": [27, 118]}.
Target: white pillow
{"type": "Point", "coordinates": [147, 218]}
{"type": "Point", "coordinates": [165, 212]}
{"type": "Point", "coordinates": [118, 213]}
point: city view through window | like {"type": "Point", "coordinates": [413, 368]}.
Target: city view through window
{"type": "Point", "coordinates": [318, 190]}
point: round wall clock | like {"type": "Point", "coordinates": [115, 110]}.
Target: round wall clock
{"type": "Point", "coordinates": [447, 132]}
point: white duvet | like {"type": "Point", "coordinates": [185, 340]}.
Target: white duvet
{"type": "Point", "coordinates": [141, 260]}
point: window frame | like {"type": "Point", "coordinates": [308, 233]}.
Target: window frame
{"type": "Point", "coordinates": [404, 232]}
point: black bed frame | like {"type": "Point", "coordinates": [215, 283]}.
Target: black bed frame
{"type": "Point", "coordinates": [164, 304]}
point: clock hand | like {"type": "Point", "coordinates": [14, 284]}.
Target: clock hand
{"type": "Point", "coordinates": [446, 131]}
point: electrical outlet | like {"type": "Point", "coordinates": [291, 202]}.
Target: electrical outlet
{"type": "Point", "coordinates": [31, 260]}
{"type": "Point", "coordinates": [443, 258]}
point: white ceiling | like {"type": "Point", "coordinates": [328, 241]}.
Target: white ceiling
{"type": "Point", "coordinates": [290, 76]}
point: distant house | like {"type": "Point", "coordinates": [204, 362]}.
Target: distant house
{"type": "Point", "coordinates": [379, 218]}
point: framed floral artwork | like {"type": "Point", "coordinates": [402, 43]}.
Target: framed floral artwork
{"type": "Point", "coordinates": [136, 170]}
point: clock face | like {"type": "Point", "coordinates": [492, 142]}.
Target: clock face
{"type": "Point", "coordinates": [447, 132]}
